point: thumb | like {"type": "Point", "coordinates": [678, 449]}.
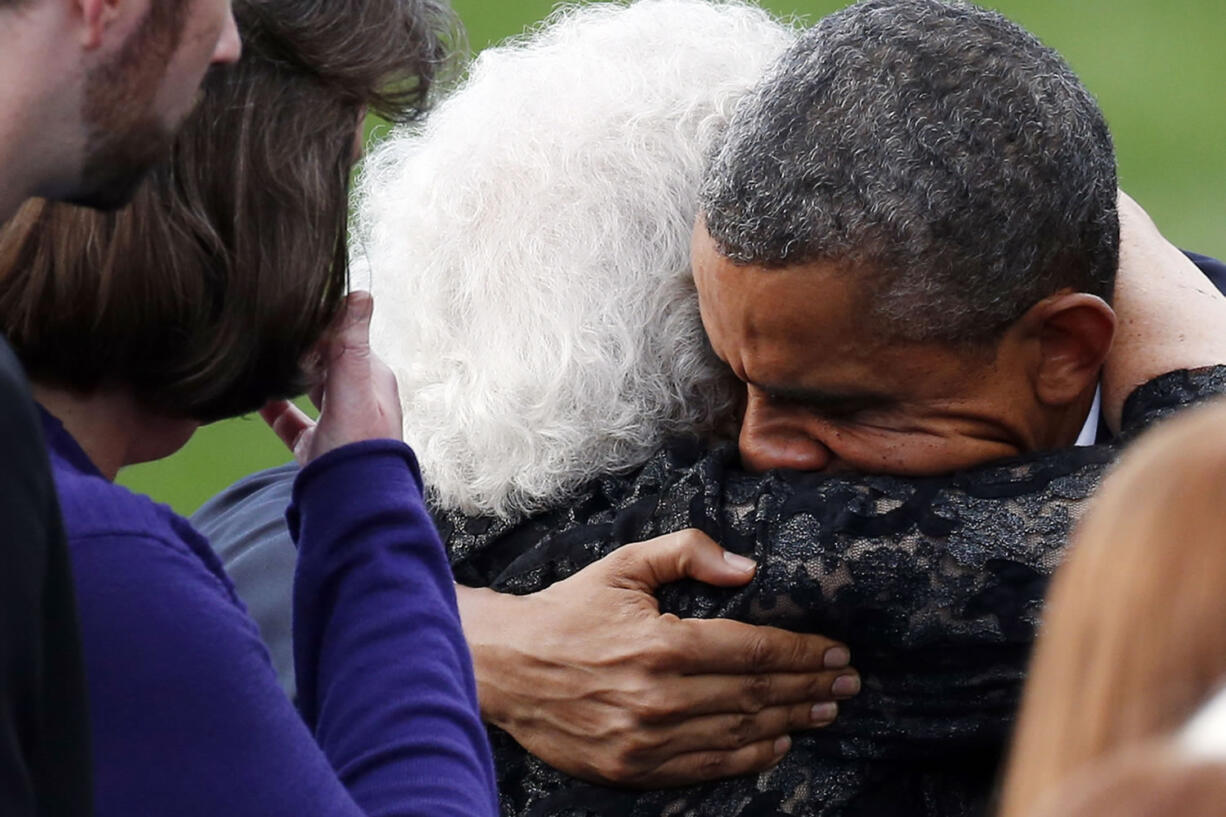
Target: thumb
{"type": "Point", "coordinates": [687, 554]}
{"type": "Point", "coordinates": [348, 353]}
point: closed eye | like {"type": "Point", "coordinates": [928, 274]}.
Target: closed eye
{"type": "Point", "coordinates": [831, 407]}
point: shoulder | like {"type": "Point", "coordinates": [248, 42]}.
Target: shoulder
{"type": "Point", "coordinates": [245, 524]}
{"type": "Point", "coordinates": [1213, 269]}
{"type": "Point", "coordinates": [110, 525]}
{"type": "Point", "coordinates": [95, 506]}
{"type": "Point", "coordinates": [250, 514]}
{"type": "Point", "coordinates": [1166, 395]}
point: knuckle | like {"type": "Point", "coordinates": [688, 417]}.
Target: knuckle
{"type": "Point", "coordinates": [660, 652]}
{"type": "Point", "coordinates": [618, 744]}
{"type": "Point", "coordinates": [621, 559]}
{"type": "Point", "coordinates": [687, 544]}
{"type": "Point", "coordinates": [756, 689]}
{"type": "Point", "coordinates": [656, 706]}
{"type": "Point", "coordinates": [762, 653]}
{"type": "Point", "coordinates": [743, 731]}
{"type": "Point", "coordinates": [620, 728]}
{"type": "Point", "coordinates": [641, 749]}
{"type": "Point", "coordinates": [350, 344]}
{"type": "Point", "coordinates": [692, 538]}
{"type": "Point", "coordinates": [710, 765]}
{"type": "Point", "coordinates": [629, 760]}
{"type": "Point", "coordinates": [619, 770]}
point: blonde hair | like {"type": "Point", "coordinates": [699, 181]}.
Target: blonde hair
{"type": "Point", "coordinates": [1134, 634]}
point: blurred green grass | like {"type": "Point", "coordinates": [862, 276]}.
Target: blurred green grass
{"type": "Point", "coordinates": [1158, 69]}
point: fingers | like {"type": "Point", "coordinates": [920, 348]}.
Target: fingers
{"type": "Point", "coordinates": [287, 421]}
{"type": "Point", "coordinates": [686, 554]}
{"type": "Point", "coordinates": [697, 767]}
{"type": "Point", "coordinates": [656, 739]}
{"type": "Point", "coordinates": [359, 398]}
{"type": "Point", "coordinates": [738, 695]}
{"type": "Point", "coordinates": [349, 358]}
{"type": "Point", "coordinates": [729, 732]}
{"type": "Point", "coordinates": [723, 646]}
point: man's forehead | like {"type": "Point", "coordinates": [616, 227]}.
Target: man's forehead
{"type": "Point", "coordinates": [791, 323]}
{"type": "Point", "coordinates": [802, 299]}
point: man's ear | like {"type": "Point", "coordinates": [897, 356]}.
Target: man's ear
{"type": "Point", "coordinates": [1074, 331]}
{"type": "Point", "coordinates": [96, 16]}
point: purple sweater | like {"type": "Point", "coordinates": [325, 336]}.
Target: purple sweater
{"type": "Point", "coordinates": [188, 718]}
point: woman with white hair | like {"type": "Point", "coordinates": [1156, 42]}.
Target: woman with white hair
{"type": "Point", "coordinates": [530, 250]}
{"type": "Point", "coordinates": [545, 210]}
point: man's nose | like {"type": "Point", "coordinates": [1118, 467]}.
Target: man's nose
{"type": "Point", "coordinates": [229, 44]}
{"type": "Point", "coordinates": [771, 439]}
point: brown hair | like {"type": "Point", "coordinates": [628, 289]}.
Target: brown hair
{"type": "Point", "coordinates": [205, 295]}
{"type": "Point", "coordinates": [1133, 638]}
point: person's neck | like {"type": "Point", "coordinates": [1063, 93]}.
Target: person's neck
{"type": "Point", "coordinates": [103, 423]}
{"type": "Point", "coordinates": [1068, 421]}
{"type": "Point", "coordinates": [112, 428]}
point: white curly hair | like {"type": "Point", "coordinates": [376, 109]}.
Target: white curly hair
{"type": "Point", "coordinates": [528, 246]}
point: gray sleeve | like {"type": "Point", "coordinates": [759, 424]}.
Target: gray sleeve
{"type": "Point", "coordinates": [246, 525]}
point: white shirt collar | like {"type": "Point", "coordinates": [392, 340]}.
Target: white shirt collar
{"type": "Point", "coordinates": [1089, 430]}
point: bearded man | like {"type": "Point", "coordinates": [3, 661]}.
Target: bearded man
{"type": "Point", "coordinates": [92, 94]}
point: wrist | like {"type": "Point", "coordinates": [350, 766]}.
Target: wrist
{"type": "Point", "coordinates": [484, 614]}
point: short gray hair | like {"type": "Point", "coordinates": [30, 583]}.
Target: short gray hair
{"type": "Point", "coordinates": [529, 250]}
{"type": "Point", "coordinates": [935, 147]}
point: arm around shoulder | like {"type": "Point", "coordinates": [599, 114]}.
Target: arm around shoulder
{"type": "Point", "coordinates": [1170, 316]}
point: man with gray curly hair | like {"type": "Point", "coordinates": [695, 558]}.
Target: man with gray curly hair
{"type": "Point", "coordinates": [908, 244]}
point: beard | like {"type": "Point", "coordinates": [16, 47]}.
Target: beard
{"type": "Point", "coordinates": [127, 136]}
{"type": "Point", "coordinates": [117, 163]}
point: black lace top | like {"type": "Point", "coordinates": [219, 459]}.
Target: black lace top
{"type": "Point", "coordinates": [934, 583]}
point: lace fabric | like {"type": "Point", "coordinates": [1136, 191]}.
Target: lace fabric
{"type": "Point", "coordinates": [935, 583]}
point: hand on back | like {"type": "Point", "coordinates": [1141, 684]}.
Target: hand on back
{"type": "Point", "coordinates": [589, 676]}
